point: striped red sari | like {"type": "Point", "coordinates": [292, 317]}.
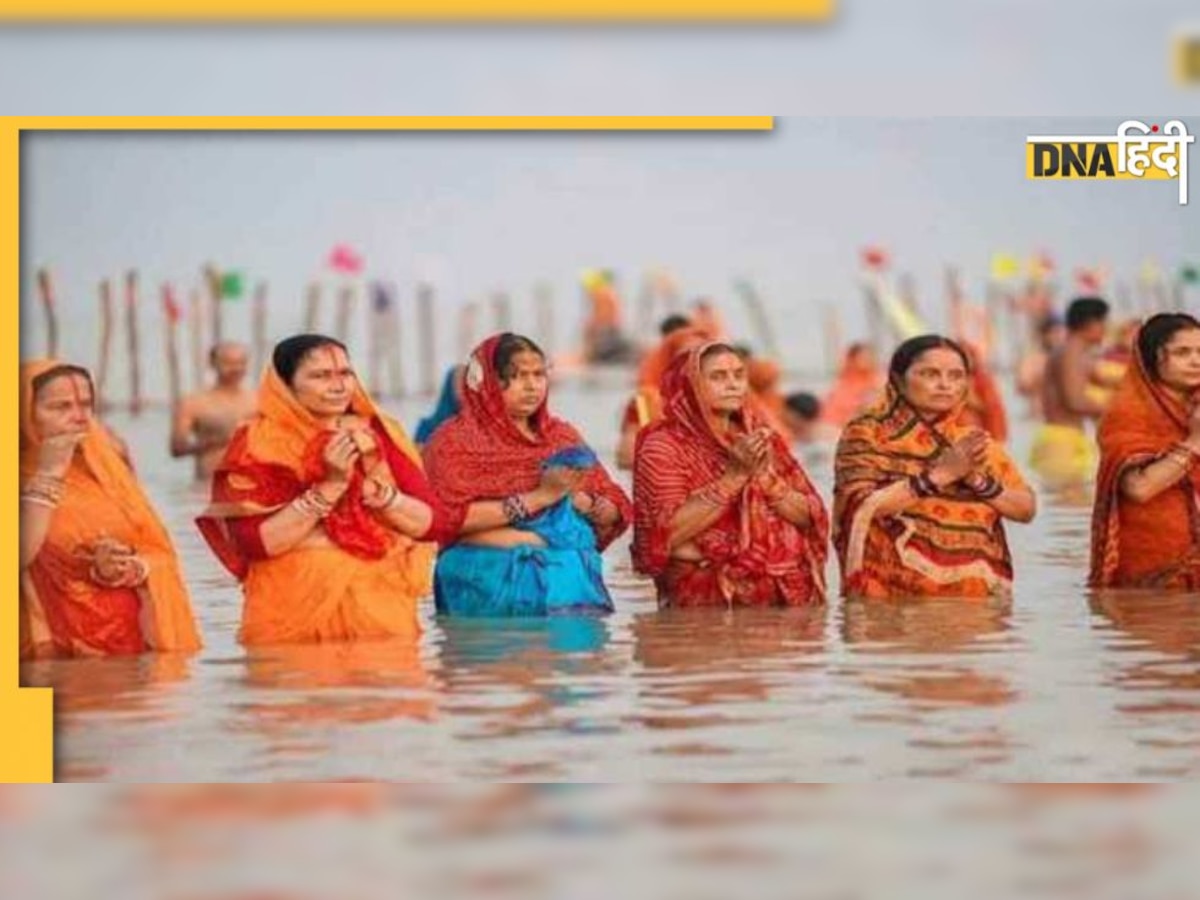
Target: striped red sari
{"type": "Point", "coordinates": [751, 556]}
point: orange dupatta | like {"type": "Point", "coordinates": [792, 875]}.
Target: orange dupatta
{"type": "Point", "coordinates": [101, 498]}
{"type": "Point", "coordinates": [364, 583]}
{"type": "Point", "coordinates": [940, 546]}
{"type": "Point", "coordinates": [1151, 544]}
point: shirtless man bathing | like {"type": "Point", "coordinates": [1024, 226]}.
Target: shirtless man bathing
{"type": "Point", "coordinates": [205, 420]}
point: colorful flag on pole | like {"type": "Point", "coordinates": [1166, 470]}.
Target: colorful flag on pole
{"type": "Point", "coordinates": [343, 258]}
{"type": "Point", "coordinates": [171, 305]}
{"type": "Point", "coordinates": [875, 258]}
{"type": "Point", "coordinates": [232, 285]}
{"type": "Point", "coordinates": [1005, 266]}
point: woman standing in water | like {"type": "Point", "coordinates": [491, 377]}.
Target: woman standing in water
{"type": "Point", "coordinates": [724, 513]}
{"type": "Point", "coordinates": [530, 505]}
{"type": "Point", "coordinates": [1146, 521]}
{"type": "Point", "coordinates": [320, 507]}
{"type": "Point", "coordinates": [921, 495]}
{"type": "Point", "coordinates": [99, 575]}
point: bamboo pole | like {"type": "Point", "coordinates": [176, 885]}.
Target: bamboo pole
{"type": "Point", "coordinates": [312, 307]}
{"type": "Point", "coordinates": [758, 316]}
{"type": "Point", "coordinates": [376, 334]}
{"type": "Point", "coordinates": [106, 332]}
{"type": "Point", "coordinates": [468, 318]}
{"type": "Point", "coordinates": [395, 334]}
{"type": "Point", "coordinates": [212, 279]}
{"type": "Point", "coordinates": [258, 325]}
{"type": "Point", "coordinates": [196, 327]}
{"type": "Point", "coordinates": [134, 342]}
{"type": "Point", "coordinates": [502, 311]}
{"type": "Point", "coordinates": [345, 310]}
{"type": "Point", "coordinates": [543, 302]}
{"type": "Point", "coordinates": [425, 328]}
{"type": "Point", "coordinates": [171, 328]}
{"type": "Point", "coordinates": [46, 291]}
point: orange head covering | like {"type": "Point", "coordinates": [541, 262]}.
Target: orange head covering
{"type": "Point", "coordinates": [102, 498]}
{"type": "Point", "coordinates": [273, 457]}
{"type": "Point", "coordinates": [1135, 541]}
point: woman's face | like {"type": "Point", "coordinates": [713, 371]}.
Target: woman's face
{"type": "Point", "coordinates": [63, 405]}
{"type": "Point", "coordinates": [936, 382]}
{"type": "Point", "coordinates": [1179, 360]}
{"type": "Point", "coordinates": [324, 382]}
{"type": "Point", "coordinates": [724, 376]}
{"type": "Point", "coordinates": [527, 385]}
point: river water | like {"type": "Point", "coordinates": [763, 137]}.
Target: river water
{"type": "Point", "coordinates": [1057, 686]}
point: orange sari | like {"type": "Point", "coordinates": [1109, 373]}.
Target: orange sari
{"type": "Point", "coordinates": [951, 546]}
{"type": "Point", "coordinates": [353, 578]}
{"type": "Point", "coordinates": [853, 390]}
{"type": "Point", "coordinates": [1156, 543]}
{"type": "Point", "coordinates": [101, 498]}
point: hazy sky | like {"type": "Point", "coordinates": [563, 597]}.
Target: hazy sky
{"type": "Point", "coordinates": [474, 213]}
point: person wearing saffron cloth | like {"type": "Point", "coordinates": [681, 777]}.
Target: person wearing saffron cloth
{"type": "Point", "coordinates": [321, 509]}
{"type": "Point", "coordinates": [531, 508]}
{"type": "Point", "coordinates": [645, 406]}
{"type": "Point", "coordinates": [921, 495]}
{"type": "Point", "coordinates": [858, 384]}
{"type": "Point", "coordinates": [985, 405]}
{"type": "Point", "coordinates": [724, 515]}
{"type": "Point", "coordinates": [99, 575]}
{"type": "Point", "coordinates": [1144, 522]}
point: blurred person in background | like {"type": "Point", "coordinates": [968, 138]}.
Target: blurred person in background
{"type": "Point", "coordinates": [858, 384]}
{"type": "Point", "coordinates": [206, 420]}
{"type": "Point", "coordinates": [1063, 453]}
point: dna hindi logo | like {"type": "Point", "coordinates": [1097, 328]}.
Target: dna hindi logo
{"type": "Point", "coordinates": [1137, 150]}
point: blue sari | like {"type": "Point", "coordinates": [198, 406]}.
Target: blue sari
{"type": "Point", "coordinates": [563, 578]}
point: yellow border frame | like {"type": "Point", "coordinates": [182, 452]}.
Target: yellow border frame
{"type": "Point", "coordinates": [26, 723]}
{"type": "Point", "coordinates": [416, 10]}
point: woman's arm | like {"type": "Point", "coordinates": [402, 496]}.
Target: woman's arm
{"type": "Point", "coordinates": [704, 507]}
{"type": "Point", "coordinates": [1141, 484]}
{"type": "Point", "coordinates": [284, 530]}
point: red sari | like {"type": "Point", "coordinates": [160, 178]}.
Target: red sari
{"type": "Point", "coordinates": [751, 555]}
{"type": "Point", "coordinates": [480, 454]}
{"type": "Point", "coordinates": [1156, 543]}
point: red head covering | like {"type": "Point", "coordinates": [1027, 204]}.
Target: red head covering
{"type": "Point", "coordinates": [689, 448]}
{"type": "Point", "coordinates": [481, 454]}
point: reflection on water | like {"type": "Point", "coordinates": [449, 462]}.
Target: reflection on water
{"type": "Point", "coordinates": [1056, 686]}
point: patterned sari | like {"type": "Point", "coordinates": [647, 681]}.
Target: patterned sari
{"type": "Point", "coordinates": [353, 578]}
{"type": "Point", "coordinates": [101, 498]}
{"type": "Point", "coordinates": [1156, 543]}
{"type": "Point", "coordinates": [750, 556]}
{"type": "Point", "coordinates": [946, 546]}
